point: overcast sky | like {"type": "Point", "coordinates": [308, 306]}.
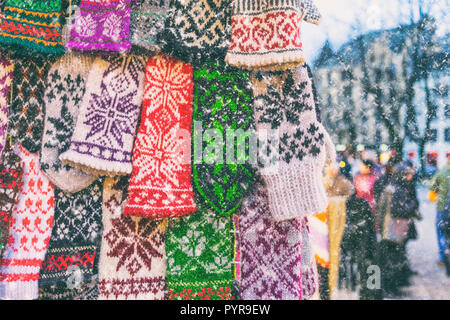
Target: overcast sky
{"type": "Point", "coordinates": [340, 19]}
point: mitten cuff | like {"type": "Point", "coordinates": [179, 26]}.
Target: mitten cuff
{"type": "Point", "coordinates": [19, 291]}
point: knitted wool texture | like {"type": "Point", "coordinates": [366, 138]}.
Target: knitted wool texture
{"type": "Point", "coordinates": [146, 22]}
{"type": "Point", "coordinates": [29, 233]}
{"type": "Point", "coordinates": [310, 277]}
{"type": "Point", "coordinates": [64, 91]}
{"type": "Point", "coordinates": [101, 25]}
{"type": "Point", "coordinates": [71, 263]}
{"type": "Point", "coordinates": [32, 24]}
{"type": "Point", "coordinates": [132, 256]}
{"type": "Point", "coordinates": [103, 138]}
{"type": "Point", "coordinates": [311, 13]}
{"type": "Point", "coordinates": [26, 113]}
{"type": "Point", "coordinates": [11, 173]}
{"type": "Point", "coordinates": [297, 147]}
{"type": "Point", "coordinates": [199, 254]}
{"type": "Point", "coordinates": [266, 35]}
{"type": "Point", "coordinates": [160, 184]}
{"type": "Point", "coordinates": [222, 106]}
{"type": "Point", "coordinates": [270, 252]}
{"type": "Point", "coordinates": [6, 74]}
{"type": "Point", "coordinates": [197, 31]}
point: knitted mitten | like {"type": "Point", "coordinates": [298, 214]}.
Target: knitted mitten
{"type": "Point", "coordinates": [33, 24]}
{"type": "Point", "coordinates": [106, 126]}
{"type": "Point", "coordinates": [270, 252]}
{"type": "Point", "coordinates": [311, 13]}
{"type": "Point", "coordinates": [11, 172]}
{"type": "Point", "coordinates": [222, 108]}
{"type": "Point", "coordinates": [71, 263]}
{"type": "Point", "coordinates": [63, 94]}
{"type": "Point", "coordinates": [29, 233]}
{"type": "Point", "coordinates": [199, 254]}
{"type": "Point", "coordinates": [6, 74]}
{"type": "Point", "coordinates": [132, 256]}
{"type": "Point", "coordinates": [101, 25]}
{"type": "Point", "coordinates": [26, 122]}
{"type": "Point", "coordinates": [266, 35]}
{"type": "Point", "coordinates": [197, 31]}
{"type": "Point", "coordinates": [284, 107]}
{"type": "Point", "coordinates": [310, 277]}
{"type": "Point", "coordinates": [147, 20]}
{"type": "Point", "coordinates": [160, 184]}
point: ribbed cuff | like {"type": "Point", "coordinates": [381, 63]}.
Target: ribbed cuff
{"type": "Point", "coordinates": [19, 290]}
{"type": "Point", "coordinates": [268, 61]}
{"type": "Point", "coordinates": [296, 192]}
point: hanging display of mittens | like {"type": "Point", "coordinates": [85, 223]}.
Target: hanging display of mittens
{"type": "Point", "coordinates": [223, 121]}
{"type": "Point", "coordinates": [132, 258]}
{"type": "Point", "coordinates": [292, 166]}
{"type": "Point", "coordinates": [70, 267]}
{"type": "Point", "coordinates": [102, 141]}
{"type": "Point", "coordinates": [6, 76]}
{"type": "Point", "coordinates": [29, 232]}
{"type": "Point", "coordinates": [160, 184]}
{"type": "Point", "coordinates": [311, 13]}
{"type": "Point", "coordinates": [199, 254]}
{"type": "Point", "coordinates": [101, 25]}
{"type": "Point", "coordinates": [64, 92]}
{"type": "Point", "coordinates": [35, 25]}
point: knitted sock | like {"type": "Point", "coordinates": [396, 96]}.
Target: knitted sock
{"type": "Point", "coordinates": [197, 31]}
{"type": "Point", "coordinates": [6, 74]}
{"type": "Point", "coordinates": [29, 233]}
{"type": "Point", "coordinates": [63, 94]}
{"type": "Point", "coordinates": [26, 122]}
{"type": "Point", "coordinates": [106, 126]}
{"type": "Point", "coordinates": [70, 267]}
{"type": "Point", "coordinates": [101, 25]}
{"type": "Point", "coordinates": [284, 106]}
{"type": "Point", "coordinates": [271, 252]}
{"type": "Point", "coordinates": [311, 13]}
{"type": "Point", "coordinates": [199, 254]}
{"type": "Point", "coordinates": [32, 24]}
{"type": "Point", "coordinates": [160, 184]}
{"type": "Point", "coordinates": [132, 256]}
{"type": "Point", "coordinates": [11, 172]}
{"type": "Point", "coordinates": [147, 20]}
{"type": "Point", "coordinates": [266, 35]}
{"type": "Point", "coordinates": [310, 277]}
{"type": "Point", "coordinates": [223, 103]}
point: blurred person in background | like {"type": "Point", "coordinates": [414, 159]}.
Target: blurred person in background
{"type": "Point", "coordinates": [364, 182]}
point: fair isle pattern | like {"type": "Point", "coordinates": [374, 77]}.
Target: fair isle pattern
{"type": "Point", "coordinates": [29, 234]}
{"type": "Point", "coordinates": [160, 184]}
{"type": "Point", "coordinates": [270, 253]}
{"type": "Point", "coordinates": [26, 112]}
{"type": "Point", "coordinates": [199, 255]}
{"type": "Point", "coordinates": [266, 35]}
{"type": "Point", "coordinates": [311, 13]}
{"type": "Point", "coordinates": [101, 25]}
{"type": "Point", "coordinates": [132, 257]}
{"type": "Point", "coordinates": [6, 73]}
{"type": "Point", "coordinates": [74, 245]}
{"type": "Point", "coordinates": [11, 174]}
{"type": "Point", "coordinates": [146, 22]}
{"type": "Point", "coordinates": [64, 91]}
{"type": "Point", "coordinates": [106, 126]}
{"type": "Point", "coordinates": [197, 30]}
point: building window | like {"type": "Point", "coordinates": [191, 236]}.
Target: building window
{"type": "Point", "coordinates": [447, 111]}
{"type": "Point", "coordinates": [432, 135]}
{"type": "Point", "coordinates": [447, 135]}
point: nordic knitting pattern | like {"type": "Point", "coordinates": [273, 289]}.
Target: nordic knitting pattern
{"type": "Point", "coordinates": [292, 171]}
{"type": "Point", "coordinates": [6, 74]}
{"type": "Point", "coordinates": [29, 233]}
{"type": "Point", "coordinates": [311, 13]}
{"type": "Point", "coordinates": [197, 31]}
{"type": "Point", "coordinates": [146, 22]}
{"type": "Point", "coordinates": [222, 104]}
{"type": "Point", "coordinates": [26, 112]}
{"type": "Point", "coordinates": [11, 175]}
{"type": "Point", "coordinates": [199, 254]}
{"type": "Point", "coordinates": [71, 262]}
{"type": "Point", "coordinates": [270, 252]}
{"type": "Point", "coordinates": [104, 134]}
{"type": "Point", "coordinates": [266, 35]}
{"type": "Point", "coordinates": [160, 184]}
{"type": "Point", "coordinates": [132, 257]}
{"type": "Point", "coordinates": [101, 25]}
{"type": "Point", "coordinates": [34, 25]}
{"type": "Point", "coordinates": [64, 92]}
